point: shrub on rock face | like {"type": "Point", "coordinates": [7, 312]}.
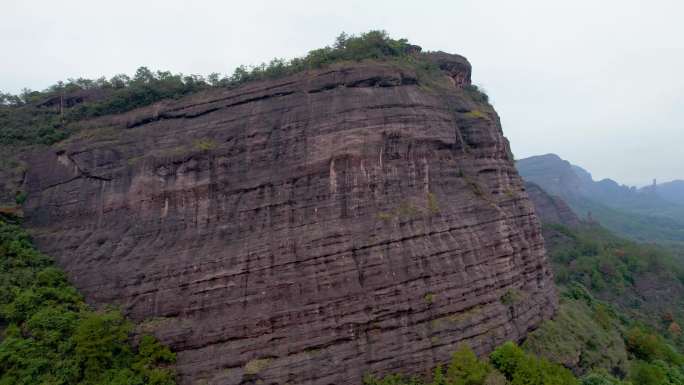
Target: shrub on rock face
{"type": "Point", "coordinates": [477, 93]}
{"type": "Point", "coordinates": [466, 369]}
{"type": "Point", "coordinates": [600, 378]}
{"type": "Point", "coordinates": [507, 358]}
{"type": "Point", "coordinates": [526, 369]}
{"type": "Point", "coordinates": [495, 378]}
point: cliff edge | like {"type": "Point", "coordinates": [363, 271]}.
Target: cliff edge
{"type": "Point", "coordinates": [361, 218]}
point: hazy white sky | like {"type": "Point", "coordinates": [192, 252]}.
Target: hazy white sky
{"type": "Point", "coordinates": [598, 82]}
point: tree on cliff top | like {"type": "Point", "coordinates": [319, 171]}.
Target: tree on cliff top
{"type": "Point", "coordinates": [44, 117]}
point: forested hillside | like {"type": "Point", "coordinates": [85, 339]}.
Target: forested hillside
{"type": "Point", "coordinates": [49, 334]}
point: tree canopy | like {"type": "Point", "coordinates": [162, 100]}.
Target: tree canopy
{"type": "Point", "coordinates": [43, 117]}
{"type": "Point", "coordinates": [50, 336]}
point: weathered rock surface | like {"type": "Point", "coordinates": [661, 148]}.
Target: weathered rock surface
{"type": "Point", "coordinates": [307, 230]}
{"type": "Point", "coordinates": [549, 208]}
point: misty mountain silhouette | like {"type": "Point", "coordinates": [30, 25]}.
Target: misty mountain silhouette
{"type": "Point", "coordinates": [648, 214]}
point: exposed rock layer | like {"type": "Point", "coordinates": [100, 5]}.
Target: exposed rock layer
{"type": "Point", "coordinates": [549, 208]}
{"type": "Point", "coordinates": [308, 230]}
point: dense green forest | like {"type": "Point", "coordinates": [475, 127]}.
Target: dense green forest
{"type": "Point", "coordinates": [625, 273]}
{"type": "Point", "coordinates": [50, 336]}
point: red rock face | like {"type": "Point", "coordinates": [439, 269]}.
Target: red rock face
{"type": "Point", "coordinates": [308, 230]}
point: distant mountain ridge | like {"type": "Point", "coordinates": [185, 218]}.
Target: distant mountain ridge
{"type": "Point", "coordinates": [671, 191]}
{"type": "Point", "coordinates": [649, 214]}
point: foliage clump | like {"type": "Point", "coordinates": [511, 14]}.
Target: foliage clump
{"type": "Point", "coordinates": [370, 45]}
{"type": "Point", "coordinates": [50, 336]}
{"type": "Point", "coordinates": [508, 364]}
{"type": "Point", "coordinates": [511, 297]}
{"type": "Point", "coordinates": [583, 335]}
{"type": "Point", "coordinates": [43, 117]}
{"type": "Point", "coordinates": [477, 93]}
{"type": "Point", "coordinates": [205, 144]}
{"type": "Point", "coordinates": [522, 368]}
{"type": "Point", "coordinates": [648, 346]}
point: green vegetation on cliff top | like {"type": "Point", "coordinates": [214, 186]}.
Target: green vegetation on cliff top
{"type": "Point", "coordinates": [45, 117]}
{"type": "Point", "coordinates": [37, 117]}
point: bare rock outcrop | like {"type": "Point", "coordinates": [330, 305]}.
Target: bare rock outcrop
{"type": "Point", "coordinates": [307, 230]}
{"type": "Point", "coordinates": [549, 208]}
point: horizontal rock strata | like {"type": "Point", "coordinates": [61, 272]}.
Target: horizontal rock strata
{"type": "Point", "coordinates": [362, 218]}
{"type": "Point", "coordinates": [551, 209]}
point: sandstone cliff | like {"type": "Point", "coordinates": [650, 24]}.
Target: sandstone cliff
{"type": "Point", "coordinates": [363, 218]}
{"type": "Point", "coordinates": [549, 208]}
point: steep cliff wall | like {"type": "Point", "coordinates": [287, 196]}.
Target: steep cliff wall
{"type": "Point", "coordinates": [362, 218]}
{"type": "Point", "coordinates": [549, 208]}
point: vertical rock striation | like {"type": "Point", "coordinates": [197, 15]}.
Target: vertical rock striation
{"type": "Point", "coordinates": [362, 218]}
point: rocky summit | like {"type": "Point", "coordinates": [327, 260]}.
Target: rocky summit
{"type": "Point", "coordinates": [362, 218]}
